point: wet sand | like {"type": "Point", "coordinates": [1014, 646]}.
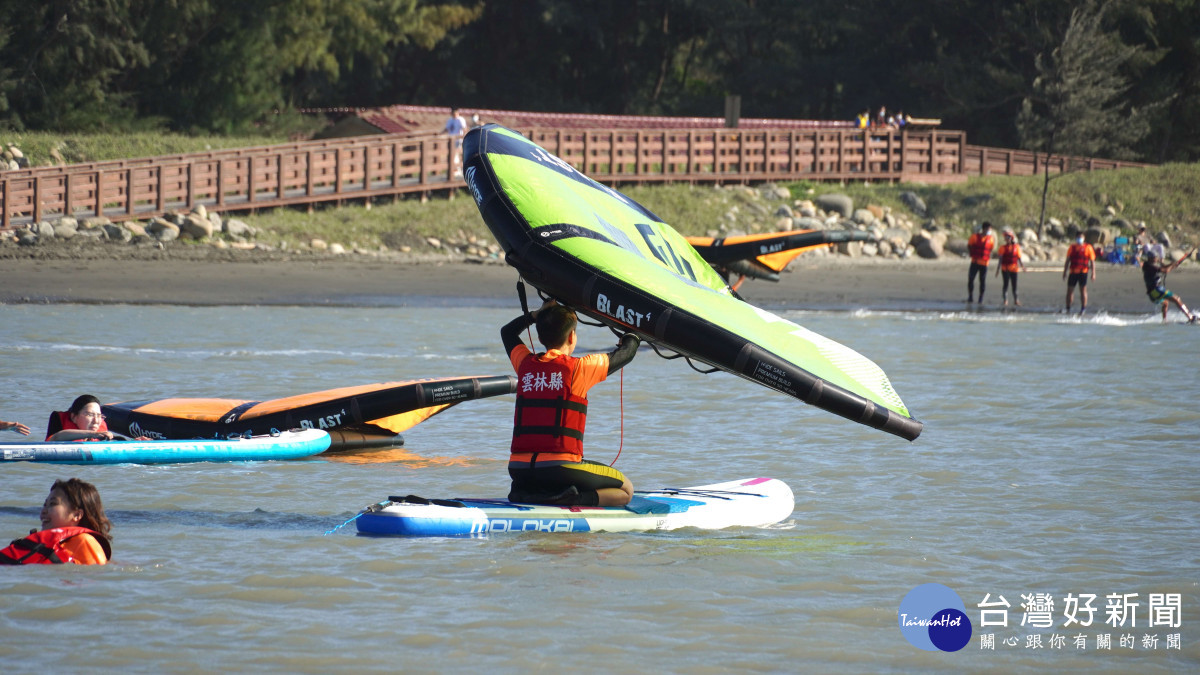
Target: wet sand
{"type": "Point", "coordinates": [836, 283]}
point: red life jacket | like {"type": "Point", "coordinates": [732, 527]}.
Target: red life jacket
{"type": "Point", "coordinates": [980, 247]}
{"type": "Point", "coordinates": [62, 420]}
{"type": "Point", "coordinates": [1079, 257]}
{"type": "Point", "coordinates": [1010, 258]}
{"type": "Point", "coordinates": [45, 547]}
{"type": "Point", "coordinates": [548, 417]}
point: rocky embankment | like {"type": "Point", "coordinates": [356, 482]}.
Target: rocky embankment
{"type": "Point", "coordinates": [910, 234]}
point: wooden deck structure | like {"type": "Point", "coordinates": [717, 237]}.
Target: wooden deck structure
{"type": "Point", "coordinates": [367, 167]}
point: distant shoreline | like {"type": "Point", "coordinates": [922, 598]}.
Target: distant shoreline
{"type": "Point", "coordinates": [250, 278]}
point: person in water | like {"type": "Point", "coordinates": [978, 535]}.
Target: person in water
{"type": "Point", "coordinates": [15, 426]}
{"type": "Point", "coordinates": [1010, 265]}
{"type": "Point", "coordinates": [546, 463]}
{"type": "Point", "coordinates": [83, 421]}
{"type": "Point", "coordinates": [1080, 264]}
{"type": "Point", "coordinates": [980, 246]}
{"type": "Point", "coordinates": [1154, 273]}
{"type": "Point", "coordinates": [74, 529]}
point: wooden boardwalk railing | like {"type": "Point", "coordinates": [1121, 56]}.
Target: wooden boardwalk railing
{"type": "Point", "coordinates": [984, 161]}
{"type": "Point", "coordinates": [370, 166]}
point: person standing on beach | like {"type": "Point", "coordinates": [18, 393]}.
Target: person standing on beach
{"type": "Point", "coordinates": [1154, 273]}
{"type": "Point", "coordinates": [1080, 264]}
{"type": "Point", "coordinates": [1010, 264]}
{"type": "Point", "coordinates": [980, 247]}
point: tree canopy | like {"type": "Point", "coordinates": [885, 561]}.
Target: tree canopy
{"type": "Point", "coordinates": [227, 66]}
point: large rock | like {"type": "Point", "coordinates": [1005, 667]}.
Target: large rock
{"type": "Point", "coordinates": [94, 223]}
{"type": "Point", "coordinates": [837, 203]}
{"type": "Point", "coordinates": [66, 227]}
{"type": "Point", "coordinates": [196, 227]}
{"type": "Point", "coordinates": [238, 229]}
{"type": "Point", "coordinates": [927, 245]}
{"type": "Point", "coordinates": [914, 202]}
{"type": "Point", "coordinates": [808, 224]}
{"type": "Point", "coordinates": [43, 230]}
{"type": "Point", "coordinates": [114, 232]}
{"type": "Point", "coordinates": [864, 216]}
{"type": "Point", "coordinates": [162, 229]}
{"type": "Point", "coordinates": [853, 249]}
{"type": "Point", "coordinates": [956, 246]}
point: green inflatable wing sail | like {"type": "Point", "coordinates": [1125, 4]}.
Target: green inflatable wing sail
{"type": "Point", "coordinates": [609, 257]}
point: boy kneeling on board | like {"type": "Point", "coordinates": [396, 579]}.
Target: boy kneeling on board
{"type": "Point", "coordinates": [546, 462]}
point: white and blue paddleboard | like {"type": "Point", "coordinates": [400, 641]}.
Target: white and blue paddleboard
{"type": "Point", "coordinates": [749, 502]}
{"type": "Point", "coordinates": [285, 445]}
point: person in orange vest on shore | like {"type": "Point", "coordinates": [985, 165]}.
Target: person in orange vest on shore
{"type": "Point", "coordinates": [1080, 264]}
{"type": "Point", "coordinates": [74, 529]}
{"type": "Point", "coordinates": [546, 463]}
{"type": "Point", "coordinates": [1010, 265]}
{"type": "Point", "coordinates": [980, 247]}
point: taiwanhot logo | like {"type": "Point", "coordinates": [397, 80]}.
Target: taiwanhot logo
{"type": "Point", "coordinates": [933, 617]}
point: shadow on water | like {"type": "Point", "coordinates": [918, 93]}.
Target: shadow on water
{"type": "Point", "coordinates": [247, 520]}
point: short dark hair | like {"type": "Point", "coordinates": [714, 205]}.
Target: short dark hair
{"type": "Point", "coordinates": [554, 325]}
{"type": "Point", "coordinates": [986, 226]}
{"type": "Point", "coordinates": [79, 403]}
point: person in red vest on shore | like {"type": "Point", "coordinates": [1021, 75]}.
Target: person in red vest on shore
{"type": "Point", "coordinates": [74, 529]}
{"type": "Point", "coordinates": [1080, 264]}
{"type": "Point", "coordinates": [546, 461]}
{"type": "Point", "coordinates": [1010, 265]}
{"type": "Point", "coordinates": [980, 247]}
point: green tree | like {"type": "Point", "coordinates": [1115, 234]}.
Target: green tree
{"type": "Point", "coordinates": [64, 61]}
{"type": "Point", "coordinates": [1076, 106]}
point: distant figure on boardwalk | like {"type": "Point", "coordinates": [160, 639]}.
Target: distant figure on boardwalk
{"type": "Point", "coordinates": [1155, 275]}
{"type": "Point", "coordinates": [456, 127]}
{"type": "Point", "coordinates": [1010, 265]}
{"type": "Point", "coordinates": [1080, 264]}
{"type": "Point", "coordinates": [980, 246]}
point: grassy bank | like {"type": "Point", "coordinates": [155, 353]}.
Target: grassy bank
{"type": "Point", "coordinates": [1167, 198]}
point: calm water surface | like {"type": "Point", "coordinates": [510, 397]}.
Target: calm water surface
{"type": "Point", "coordinates": [1059, 457]}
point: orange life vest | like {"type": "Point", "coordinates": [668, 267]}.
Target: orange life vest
{"type": "Point", "coordinates": [46, 547]}
{"type": "Point", "coordinates": [62, 420]}
{"type": "Point", "coordinates": [549, 418]}
{"type": "Point", "coordinates": [1010, 257]}
{"type": "Point", "coordinates": [980, 246]}
{"type": "Point", "coordinates": [1079, 257]}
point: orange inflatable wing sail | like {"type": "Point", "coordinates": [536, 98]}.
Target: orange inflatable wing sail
{"type": "Point", "coordinates": [763, 256]}
{"type": "Point", "coordinates": [404, 421]}
{"type": "Point", "coordinates": [387, 406]}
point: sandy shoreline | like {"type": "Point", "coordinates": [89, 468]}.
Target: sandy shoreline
{"type": "Point", "coordinates": [836, 283]}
